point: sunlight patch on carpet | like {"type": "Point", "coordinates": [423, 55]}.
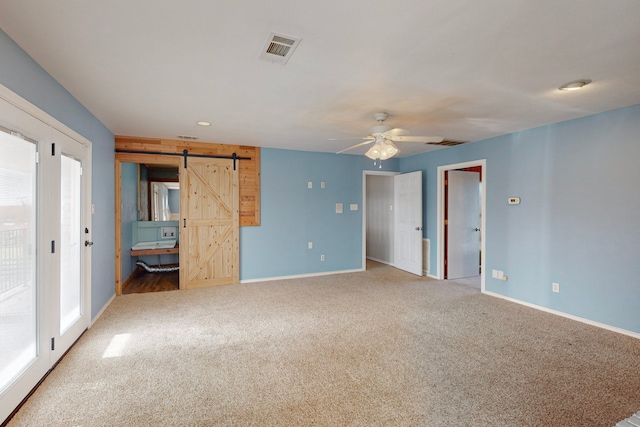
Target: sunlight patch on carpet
{"type": "Point", "coordinates": [116, 346]}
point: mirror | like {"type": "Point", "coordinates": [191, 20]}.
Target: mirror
{"type": "Point", "coordinates": [158, 193]}
{"type": "Point", "coordinates": [165, 201]}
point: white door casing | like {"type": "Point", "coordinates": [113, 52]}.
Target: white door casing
{"type": "Point", "coordinates": [408, 222]}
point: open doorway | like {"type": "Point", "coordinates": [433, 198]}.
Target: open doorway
{"type": "Point", "coordinates": [392, 220]}
{"type": "Point", "coordinates": [461, 222]}
{"type": "Point", "coordinates": [378, 223]}
{"type": "Point", "coordinates": [149, 214]}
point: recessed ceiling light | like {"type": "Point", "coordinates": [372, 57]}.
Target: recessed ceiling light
{"type": "Point", "coordinates": [203, 123]}
{"type": "Point", "coordinates": [575, 85]}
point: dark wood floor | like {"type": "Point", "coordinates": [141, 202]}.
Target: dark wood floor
{"type": "Point", "coordinates": [142, 281]}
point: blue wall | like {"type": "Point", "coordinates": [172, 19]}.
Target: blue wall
{"type": "Point", "coordinates": [25, 77]}
{"type": "Point", "coordinates": [293, 215]}
{"type": "Point", "coordinates": [577, 223]}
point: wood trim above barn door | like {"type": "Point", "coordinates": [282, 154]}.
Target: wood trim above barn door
{"type": "Point", "coordinates": [249, 171]}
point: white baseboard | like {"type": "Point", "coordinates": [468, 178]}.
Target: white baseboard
{"type": "Point", "coordinates": [567, 315]}
{"type": "Point", "coordinates": [300, 276]}
{"type": "Point", "coordinates": [433, 276]}
{"type": "Point", "coordinates": [102, 310]}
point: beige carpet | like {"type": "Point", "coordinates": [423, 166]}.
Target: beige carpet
{"type": "Point", "coordinates": [376, 348]}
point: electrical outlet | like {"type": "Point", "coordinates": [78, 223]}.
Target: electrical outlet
{"type": "Point", "coordinates": [309, 184]}
{"type": "Point", "coordinates": [310, 245]}
{"type": "Point", "coordinates": [322, 184]}
{"type": "Point", "coordinates": [168, 232]}
{"type": "Point", "coordinates": [555, 287]}
{"type": "Point", "coordinates": [321, 257]}
{"type": "Point", "coordinates": [494, 273]}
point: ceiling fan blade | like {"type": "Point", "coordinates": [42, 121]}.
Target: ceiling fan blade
{"type": "Point", "coordinates": [395, 132]}
{"type": "Point", "coordinates": [356, 146]}
{"type": "Point", "coordinates": [353, 137]}
{"type": "Point", "coordinates": [417, 139]}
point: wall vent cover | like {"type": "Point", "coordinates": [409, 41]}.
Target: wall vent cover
{"type": "Point", "coordinates": [279, 48]}
{"type": "Point", "coordinates": [190, 138]}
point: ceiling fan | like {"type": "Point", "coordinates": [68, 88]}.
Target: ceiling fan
{"type": "Point", "coordinates": [385, 138]}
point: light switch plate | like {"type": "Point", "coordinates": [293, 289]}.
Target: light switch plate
{"type": "Point", "coordinates": [353, 206]}
{"type": "Point", "coordinates": [338, 208]}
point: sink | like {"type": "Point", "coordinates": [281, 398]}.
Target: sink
{"type": "Point", "coordinates": [159, 244]}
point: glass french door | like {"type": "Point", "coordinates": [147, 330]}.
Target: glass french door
{"type": "Point", "coordinates": [71, 256]}
{"type": "Point", "coordinates": [18, 263]}
{"type": "Point", "coordinates": [44, 264]}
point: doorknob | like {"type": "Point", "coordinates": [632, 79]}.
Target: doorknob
{"type": "Point", "coordinates": [476, 229]}
{"type": "Point", "coordinates": [88, 243]}
{"type": "Point", "coordinates": [418, 228]}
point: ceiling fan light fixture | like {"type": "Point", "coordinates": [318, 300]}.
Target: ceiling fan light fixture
{"type": "Point", "coordinates": [382, 151]}
{"type": "Point", "coordinates": [575, 85]}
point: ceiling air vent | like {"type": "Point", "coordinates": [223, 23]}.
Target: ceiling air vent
{"type": "Point", "coordinates": [279, 48]}
{"type": "Point", "coordinates": [448, 143]}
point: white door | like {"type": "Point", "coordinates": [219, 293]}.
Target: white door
{"type": "Point", "coordinates": [44, 268]}
{"type": "Point", "coordinates": [408, 222]}
{"type": "Point", "coordinates": [72, 255]}
{"type": "Point", "coordinates": [463, 235]}
{"type": "Point", "coordinates": [22, 361]}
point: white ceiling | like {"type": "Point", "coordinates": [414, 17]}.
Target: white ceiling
{"type": "Point", "coordinates": [461, 69]}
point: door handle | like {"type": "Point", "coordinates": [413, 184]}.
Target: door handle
{"type": "Point", "coordinates": [88, 243]}
{"type": "Point", "coordinates": [418, 228]}
{"type": "Point", "coordinates": [476, 229]}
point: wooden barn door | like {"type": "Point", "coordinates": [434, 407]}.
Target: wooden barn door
{"type": "Point", "coordinates": [209, 250]}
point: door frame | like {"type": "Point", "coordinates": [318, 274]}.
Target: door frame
{"type": "Point", "coordinates": [440, 215]}
{"type": "Point", "coordinates": [364, 210]}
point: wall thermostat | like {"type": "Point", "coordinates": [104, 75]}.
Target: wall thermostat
{"type": "Point", "coordinates": [514, 200]}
